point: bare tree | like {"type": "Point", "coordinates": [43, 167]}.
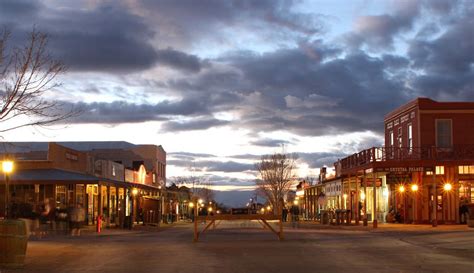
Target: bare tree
{"type": "Point", "coordinates": [276, 176]}
{"type": "Point", "coordinates": [199, 186]}
{"type": "Point", "coordinates": [26, 74]}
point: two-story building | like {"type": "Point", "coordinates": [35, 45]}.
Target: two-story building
{"type": "Point", "coordinates": [424, 172]}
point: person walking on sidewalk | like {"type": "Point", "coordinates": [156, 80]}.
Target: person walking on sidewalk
{"type": "Point", "coordinates": [77, 218]}
{"type": "Point", "coordinates": [295, 212]}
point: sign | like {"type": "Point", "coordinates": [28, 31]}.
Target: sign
{"type": "Point", "coordinates": [71, 156]}
{"type": "Point", "coordinates": [403, 169]}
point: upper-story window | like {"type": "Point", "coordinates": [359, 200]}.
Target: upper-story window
{"type": "Point", "coordinates": [391, 138]}
{"type": "Point", "coordinates": [410, 138]}
{"type": "Point", "coordinates": [444, 133]}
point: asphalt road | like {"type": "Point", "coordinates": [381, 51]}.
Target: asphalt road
{"type": "Point", "coordinates": [241, 247]}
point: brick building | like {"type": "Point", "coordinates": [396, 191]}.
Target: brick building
{"type": "Point", "coordinates": [118, 180]}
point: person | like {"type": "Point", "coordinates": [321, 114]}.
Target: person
{"type": "Point", "coordinates": [77, 218]}
{"type": "Point", "coordinates": [284, 214]}
{"type": "Point", "coordinates": [295, 212]}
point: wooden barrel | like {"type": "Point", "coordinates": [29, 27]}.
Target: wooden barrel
{"type": "Point", "coordinates": [13, 241]}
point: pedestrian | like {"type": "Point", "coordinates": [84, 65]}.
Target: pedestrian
{"type": "Point", "coordinates": [77, 218]}
{"type": "Point", "coordinates": [284, 214]}
{"type": "Point", "coordinates": [295, 212]}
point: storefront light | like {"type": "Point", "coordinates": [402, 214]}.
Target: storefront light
{"type": "Point", "coordinates": [200, 201]}
{"type": "Point", "coordinates": [269, 208]}
{"type": "Point", "coordinates": [447, 187]}
{"type": "Point", "coordinates": [295, 202]}
{"type": "Point", "coordinates": [401, 189]}
{"type": "Point", "coordinates": [414, 187]}
{"type": "Point", "coordinates": [344, 195]}
{"type": "Point", "coordinates": [362, 196]}
{"type": "Point", "coordinates": [134, 191]}
{"type": "Point", "coordinates": [7, 166]}
{"type": "Point", "coordinates": [209, 209]}
{"type": "Point", "coordinates": [191, 205]}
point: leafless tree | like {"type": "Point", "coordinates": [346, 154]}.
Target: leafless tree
{"type": "Point", "coordinates": [276, 176]}
{"type": "Point", "coordinates": [199, 186]}
{"type": "Point", "coordinates": [27, 74]}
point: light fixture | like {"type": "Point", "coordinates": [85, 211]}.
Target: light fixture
{"type": "Point", "coordinates": [362, 196]}
{"type": "Point", "coordinates": [191, 205]}
{"type": "Point", "coordinates": [134, 191]}
{"type": "Point", "coordinates": [414, 187]}
{"type": "Point", "coordinates": [447, 187]}
{"type": "Point", "coordinates": [7, 166]}
{"type": "Point", "coordinates": [401, 189]}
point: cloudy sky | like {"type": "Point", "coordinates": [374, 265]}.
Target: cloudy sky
{"type": "Point", "coordinates": [219, 83]}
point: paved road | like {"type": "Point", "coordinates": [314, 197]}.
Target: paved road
{"type": "Point", "coordinates": [254, 250]}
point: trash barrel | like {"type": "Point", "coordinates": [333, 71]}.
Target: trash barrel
{"type": "Point", "coordinates": [13, 242]}
{"type": "Point", "coordinates": [324, 217]}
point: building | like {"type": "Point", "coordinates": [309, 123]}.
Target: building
{"type": "Point", "coordinates": [120, 181]}
{"type": "Point", "coordinates": [424, 172]}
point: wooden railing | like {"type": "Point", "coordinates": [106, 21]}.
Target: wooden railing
{"type": "Point", "coordinates": [378, 154]}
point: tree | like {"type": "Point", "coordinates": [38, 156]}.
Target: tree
{"type": "Point", "coordinates": [276, 176]}
{"type": "Point", "coordinates": [199, 186]}
{"type": "Point", "coordinates": [27, 74]}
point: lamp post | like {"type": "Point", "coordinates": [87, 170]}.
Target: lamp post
{"type": "Point", "coordinates": [447, 188]}
{"type": "Point", "coordinates": [7, 167]}
{"type": "Point", "coordinates": [401, 190]}
{"type": "Point", "coordinates": [414, 189]}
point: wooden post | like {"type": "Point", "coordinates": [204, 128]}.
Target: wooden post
{"type": "Point", "coordinates": [357, 216]}
{"type": "Point", "coordinates": [108, 206]}
{"type": "Point", "coordinates": [196, 234]}
{"type": "Point", "coordinates": [374, 214]}
{"type": "Point", "coordinates": [365, 199]}
{"type": "Point", "coordinates": [280, 221]}
{"type": "Point", "coordinates": [435, 201]}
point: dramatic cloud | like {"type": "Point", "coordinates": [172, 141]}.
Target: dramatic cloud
{"type": "Point", "coordinates": [214, 166]}
{"type": "Point", "coordinates": [268, 142]}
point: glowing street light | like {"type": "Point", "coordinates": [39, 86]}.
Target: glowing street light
{"type": "Point", "coordinates": [7, 166]}
{"type": "Point", "coordinates": [200, 201]}
{"type": "Point", "coordinates": [414, 188]}
{"type": "Point", "coordinates": [401, 189]}
{"type": "Point", "coordinates": [135, 191]}
{"type": "Point", "coordinates": [209, 209]}
{"type": "Point", "coordinates": [269, 208]}
{"type": "Point", "coordinates": [447, 187]}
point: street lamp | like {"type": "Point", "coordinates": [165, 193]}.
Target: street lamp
{"type": "Point", "coordinates": [414, 189]}
{"type": "Point", "coordinates": [447, 187]}
{"type": "Point", "coordinates": [401, 189]}
{"type": "Point", "coordinates": [7, 167]}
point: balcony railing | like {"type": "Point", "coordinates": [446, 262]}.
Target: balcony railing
{"type": "Point", "coordinates": [387, 154]}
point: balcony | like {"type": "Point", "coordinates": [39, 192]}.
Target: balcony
{"type": "Point", "coordinates": [398, 154]}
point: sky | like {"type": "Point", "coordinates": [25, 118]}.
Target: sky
{"type": "Point", "coordinates": [219, 83]}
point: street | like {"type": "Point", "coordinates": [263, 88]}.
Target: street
{"type": "Point", "coordinates": [243, 247]}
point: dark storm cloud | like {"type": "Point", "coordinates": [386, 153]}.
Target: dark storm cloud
{"type": "Point", "coordinates": [102, 38]}
{"type": "Point", "coordinates": [194, 124]}
{"type": "Point", "coordinates": [378, 31]}
{"type": "Point", "coordinates": [268, 142]}
{"type": "Point", "coordinates": [124, 112]}
{"type": "Point", "coordinates": [214, 165]}
{"type": "Point", "coordinates": [187, 155]}
{"type": "Point", "coordinates": [179, 60]}
{"type": "Point", "coordinates": [318, 160]}
{"type": "Point", "coordinates": [447, 60]}
{"type": "Point", "coordinates": [191, 20]}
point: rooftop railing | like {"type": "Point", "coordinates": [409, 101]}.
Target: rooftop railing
{"type": "Point", "coordinates": [387, 154]}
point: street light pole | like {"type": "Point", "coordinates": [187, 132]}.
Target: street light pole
{"type": "Point", "coordinates": [7, 167]}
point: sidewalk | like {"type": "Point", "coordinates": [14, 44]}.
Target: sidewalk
{"type": "Point", "coordinates": [383, 227]}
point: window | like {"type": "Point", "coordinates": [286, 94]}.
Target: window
{"type": "Point", "coordinates": [466, 169]}
{"type": "Point", "coordinates": [113, 170]}
{"type": "Point", "coordinates": [410, 138]}
{"type": "Point", "coordinates": [444, 133]}
{"type": "Point", "coordinates": [400, 137]}
{"type": "Point", "coordinates": [391, 138]}
{"type": "Point", "coordinates": [439, 169]}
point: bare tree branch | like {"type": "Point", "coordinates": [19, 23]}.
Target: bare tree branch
{"type": "Point", "coordinates": [27, 73]}
{"type": "Point", "coordinates": [276, 176]}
